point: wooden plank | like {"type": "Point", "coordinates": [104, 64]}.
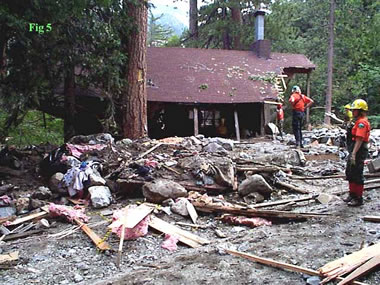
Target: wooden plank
{"type": "Point", "coordinates": [367, 175]}
{"type": "Point", "coordinates": [192, 212]}
{"type": "Point", "coordinates": [21, 235]}
{"type": "Point", "coordinates": [132, 216]}
{"type": "Point", "coordinates": [102, 245]}
{"type": "Point", "coordinates": [371, 187]}
{"type": "Point", "coordinates": [196, 128]}
{"type": "Point", "coordinates": [184, 236]}
{"type": "Point", "coordinates": [375, 219]}
{"type": "Point", "coordinates": [238, 210]}
{"type": "Point", "coordinates": [362, 270]}
{"type": "Point", "coordinates": [348, 263]}
{"type": "Point", "coordinates": [280, 265]}
{"type": "Point", "coordinates": [237, 130]}
{"type": "Point", "coordinates": [12, 256]}
{"type": "Point", "coordinates": [372, 181]}
{"type": "Point", "coordinates": [292, 187]}
{"type": "Point", "coordinates": [149, 151]}
{"type": "Point", "coordinates": [35, 216]}
{"type": "Point", "coordinates": [120, 251]}
{"type": "Point", "coordinates": [281, 202]}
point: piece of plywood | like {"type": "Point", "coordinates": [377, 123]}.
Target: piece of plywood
{"type": "Point", "coordinates": [35, 216]}
{"type": "Point", "coordinates": [183, 236]}
{"type": "Point", "coordinates": [132, 216]}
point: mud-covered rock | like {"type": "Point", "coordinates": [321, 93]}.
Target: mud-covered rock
{"type": "Point", "coordinates": [162, 189]}
{"type": "Point", "coordinates": [180, 207]}
{"type": "Point", "coordinates": [100, 196]}
{"type": "Point", "coordinates": [42, 193]}
{"type": "Point", "coordinates": [255, 183]}
{"type": "Point", "coordinates": [55, 183]}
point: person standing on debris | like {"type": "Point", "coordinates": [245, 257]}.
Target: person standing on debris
{"type": "Point", "coordinates": [347, 122]}
{"type": "Point", "coordinates": [280, 119]}
{"type": "Point", "coordinates": [299, 104]}
{"type": "Point", "coordinates": [358, 152]}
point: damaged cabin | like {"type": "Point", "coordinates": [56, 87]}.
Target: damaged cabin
{"type": "Point", "coordinates": [226, 93]}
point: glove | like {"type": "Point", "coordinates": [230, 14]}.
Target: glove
{"type": "Point", "coordinates": [353, 160]}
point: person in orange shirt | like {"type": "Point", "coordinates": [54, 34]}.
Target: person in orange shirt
{"type": "Point", "coordinates": [358, 152]}
{"type": "Point", "coordinates": [280, 119]}
{"type": "Point", "coordinates": [299, 104]}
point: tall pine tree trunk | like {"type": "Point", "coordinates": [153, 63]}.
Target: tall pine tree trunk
{"type": "Point", "coordinates": [226, 32]}
{"type": "Point", "coordinates": [135, 99]}
{"type": "Point", "coordinates": [330, 61]}
{"type": "Point", "coordinates": [193, 19]}
{"type": "Point", "coordinates": [237, 19]}
{"type": "Point", "coordinates": [70, 109]}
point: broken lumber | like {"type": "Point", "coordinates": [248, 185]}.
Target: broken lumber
{"type": "Point", "coordinates": [149, 151]}
{"type": "Point", "coordinates": [269, 169]}
{"type": "Point", "coordinates": [348, 263]}
{"type": "Point", "coordinates": [292, 187]}
{"type": "Point", "coordinates": [171, 169]}
{"type": "Point", "coordinates": [366, 175]}
{"type": "Point", "coordinates": [35, 216]}
{"type": "Point", "coordinates": [21, 235]}
{"type": "Point", "coordinates": [371, 187]}
{"type": "Point", "coordinates": [280, 265]}
{"type": "Point", "coordinates": [120, 251]}
{"type": "Point", "coordinates": [375, 219]}
{"type": "Point", "coordinates": [12, 256]}
{"type": "Point", "coordinates": [362, 270]}
{"type": "Point", "coordinates": [192, 212]}
{"type": "Point", "coordinates": [102, 245]}
{"type": "Point", "coordinates": [238, 210]}
{"type": "Point", "coordinates": [183, 236]}
{"type": "Point", "coordinates": [372, 181]}
{"type": "Point", "coordinates": [281, 202]}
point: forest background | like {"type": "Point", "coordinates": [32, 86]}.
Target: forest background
{"type": "Point", "coordinates": [93, 35]}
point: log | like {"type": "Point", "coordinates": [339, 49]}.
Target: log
{"type": "Point", "coordinates": [362, 270]}
{"type": "Point", "coordinates": [241, 211]}
{"type": "Point", "coordinates": [183, 236]}
{"type": "Point", "coordinates": [292, 187]}
{"type": "Point", "coordinates": [102, 245]}
{"type": "Point", "coordinates": [375, 219]}
{"type": "Point", "coordinates": [280, 265]}
{"type": "Point", "coordinates": [348, 263]}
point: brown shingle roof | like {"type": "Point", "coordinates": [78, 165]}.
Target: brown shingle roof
{"type": "Point", "coordinates": [190, 75]}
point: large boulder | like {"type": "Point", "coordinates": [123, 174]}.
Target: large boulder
{"type": "Point", "coordinates": [100, 196]}
{"type": "Point", "coordinates": [162, 189]}
{"type": "Point", "coordinates": [255, 183]}
{"type": "Point", "coordinates": [55, 183]}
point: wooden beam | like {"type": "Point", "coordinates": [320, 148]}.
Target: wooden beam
{"type": "Point", "coordinates": [292, 187]}
{"type": "Point", "coordinates": [372, 181]}
{"type": "Point", "coordinates": [21, 235]}
{"type": "Point", "coordinates": [281, 202]}
{"type": "Point", "coordinates": [35, 216]}
{"type": "Point", "coordinates": [239, 210]}
{"type": "Point", "coordinates": [375, 219]}
{"type": "Point", "coordinates": [149, 151]}
{"type": "Point", "coordinates": [196, 123]}
{"type": "Point", "coordinates": [102, 245]}
{"type": "Point", "coordinates": [237, 130]}
{"type": "Point", "coordinates": [280, 265]}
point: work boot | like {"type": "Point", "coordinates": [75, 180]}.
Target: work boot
{"type": "Point", "coordinates": [349, 197]}
{"type": "Point", "coordinates": [355, 202]}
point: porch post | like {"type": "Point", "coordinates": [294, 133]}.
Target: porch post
{"type": "Point", "coordinates": [195, 113]}
{"type": "Point", "coordinates": [237, 130]}
{"type": "Point", "coordinates": [308, 95]}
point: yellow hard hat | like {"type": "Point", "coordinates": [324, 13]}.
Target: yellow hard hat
{"type": "Point", "coordinates": [359, 104]}
{"type": "Point", "coordinates": [348, 106]}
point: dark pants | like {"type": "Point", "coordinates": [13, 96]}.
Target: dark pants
{"type": "Point", "coordinates": [354, 173]}
{"type": "Point", "coordinates": [297, 122]}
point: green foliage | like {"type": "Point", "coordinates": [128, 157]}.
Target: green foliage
{"type": "Point", "coordinates": [158, 35]}
{"type": "Point", "coordinates": [375, 122]}
{"type": "Point", "coordinates": [174, 41]}
{"type": "Point", "coordinates": [32, 131]}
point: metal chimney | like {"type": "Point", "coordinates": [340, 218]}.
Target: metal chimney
{"type": "Point", "coordinates": [259, 25]}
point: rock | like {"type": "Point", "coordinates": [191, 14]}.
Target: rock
{"type": "Point", "coordinates": [313, 280]}
{"type": "Point", "coordinates": [7, 211]}
{"type": "Point", "coordinates": [22, 205]}
{"type": "Point", "coordinates": [214, 147]}
{"type": "Point", "coordinates": [255, 183]}
{"type": "Point", "coordinates": [54, 183]}
{"type": "Point", "coordinates": [179, 207]}
{"type": "Point", "coordinates": [124, 142]}
{"type": "Point", "coordinates": [35, 204]}
{"type": "Point", "coordinates": [78, 278]}
{"type": "Point", "coordinates": [42, 193]}
{"type": "Point", "coordinates": [254, 197]}
{"type": "Point", "coordinates": [162, 189]}
{"type": "Point", "coordinates": [100, 196]}
{"type": "Point", "coordinates": [225, 143]}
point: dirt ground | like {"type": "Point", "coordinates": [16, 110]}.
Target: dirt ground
{"type": "Point", "coordinates": [73, 259]}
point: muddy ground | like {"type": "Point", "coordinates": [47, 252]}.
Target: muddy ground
{"type": "Point", "coordinates": [73, 259]}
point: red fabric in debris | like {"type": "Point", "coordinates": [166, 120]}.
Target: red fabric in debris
{"type": "Point", "coordinates": [77, 150]}
{"type": "Point", "coordinates": [68, 213]}
{"type": "Point", "coordinates": [140, 230]}
{"type": "Point", "coordinates": [245, 221]}
{"type": "Point", "coordinates": [170, 242]}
